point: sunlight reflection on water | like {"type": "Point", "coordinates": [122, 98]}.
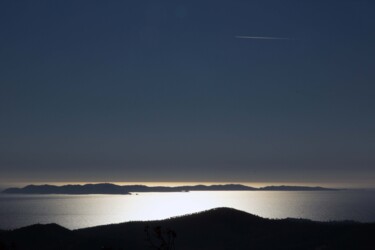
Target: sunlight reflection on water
{"type": "Point", "coordinates": [77, 211]}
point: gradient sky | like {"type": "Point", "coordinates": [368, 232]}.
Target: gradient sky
{"type": "Point", "coordinates": [182, 91]}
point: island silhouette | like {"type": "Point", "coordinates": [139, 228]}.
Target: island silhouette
{"type": "Point", "coordinates": [108, 188]}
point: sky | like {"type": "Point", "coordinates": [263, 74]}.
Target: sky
{"type": "Point", "coordinates": [187, 91]}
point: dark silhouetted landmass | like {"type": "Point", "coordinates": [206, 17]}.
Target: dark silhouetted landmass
{"type": "Point", "coordinates": [295, 188]}
{"type": "Point", "coordinates": [106, 188]}
{"type": "Point", "coordinates": [219, 229]}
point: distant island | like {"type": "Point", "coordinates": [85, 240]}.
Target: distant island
{"type": "Point", "coordinates": [108, 188]}
{"type": "Point", "coordinates": [216, 229]}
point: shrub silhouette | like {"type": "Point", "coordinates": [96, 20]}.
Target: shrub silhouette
{"type": "Point", "coordinates": [160, 239]}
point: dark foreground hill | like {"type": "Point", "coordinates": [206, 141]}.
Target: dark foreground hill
{"type": "Point", "coordinates": [221, 228]}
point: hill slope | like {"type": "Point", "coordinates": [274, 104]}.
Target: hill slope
{"type": "Point", "coordinates": [221, 228]}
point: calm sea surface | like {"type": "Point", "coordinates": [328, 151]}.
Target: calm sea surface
{"type": "Point", "coordinates": [78, 211]}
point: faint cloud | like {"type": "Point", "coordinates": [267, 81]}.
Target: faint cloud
{"type": "Point", "coordinates": [263, 37]}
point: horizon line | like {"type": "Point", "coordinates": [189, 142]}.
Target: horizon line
{"type": "Point", "coordinates": [190, 183]}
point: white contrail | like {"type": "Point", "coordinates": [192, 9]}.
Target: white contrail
{"type": "Point", "coordinates": [263, 37]}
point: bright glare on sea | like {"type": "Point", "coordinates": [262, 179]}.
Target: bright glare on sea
{"type": "Point", "coordinates": [79, 211]}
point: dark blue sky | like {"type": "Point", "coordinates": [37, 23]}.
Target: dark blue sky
{"type": "Point", "coordinates": [164, 91]}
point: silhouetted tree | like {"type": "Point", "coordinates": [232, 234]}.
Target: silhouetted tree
{"type": "Point", "coordinates": [106, 248]}
{"type": "Point", "coordinates": [160, 239]}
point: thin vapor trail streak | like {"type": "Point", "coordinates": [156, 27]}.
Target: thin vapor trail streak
{"type": "Point", "coordinates": [263, 37]}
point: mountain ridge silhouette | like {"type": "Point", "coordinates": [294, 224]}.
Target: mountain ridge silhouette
{"type": "Point", "coordinates": [108, 188]}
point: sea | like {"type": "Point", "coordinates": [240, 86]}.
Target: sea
{"type": "Point", "coordinates": [81, 211]}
